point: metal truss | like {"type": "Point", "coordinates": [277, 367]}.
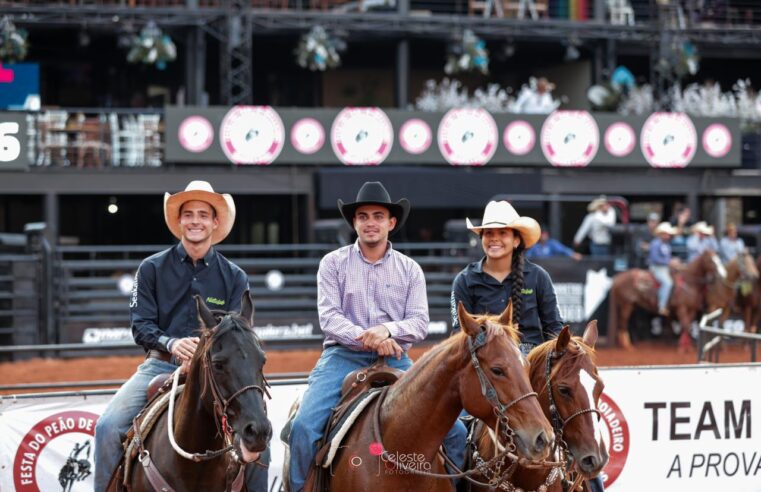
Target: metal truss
{"type": "Point", "coordinates": [237, 51]}
{"type": "Point", "coordinates": [108, 17]}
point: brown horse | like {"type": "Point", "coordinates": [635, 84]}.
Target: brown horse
{"type": "Point", "coordinates": [564, 373]}
{"type": "Point", "coordinates": [736, 290]}
{"type": "Point", "coordinates": [637, 287]}
{"type": "Point", "coordinates": [221, 408]}
{"type": "Point", "coordinates": [394, 444]}
{"type": "Point", "coordinates": [748, 300]}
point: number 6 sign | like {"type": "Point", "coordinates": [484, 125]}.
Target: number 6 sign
{"type": "Point", "coordinates": [10, 147]}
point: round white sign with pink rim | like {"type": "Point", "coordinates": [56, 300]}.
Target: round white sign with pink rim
{"type": "Point", "coordinates": [620, 139]}
{"type": "Point", "coordinates": [467, 137]}
{"type": "Point", "coordinates": [415, 136]}
{"type": "Point", "coordinates": [307, 135]}
{"type": "Point", "coordinates": [570, 138]}
{"type": "Point", "coordinates": [362, 136]}
{"type": "Point", "coordinates": [252, 135]}
{"type": "Point", "coordinates": [519, 137]}
{"type": "Point", "coordinates": [717, 140]}
{"type": "Point", "coordinates": [668, 140]}
{"type": "Point", "coordinates": [195, 134]}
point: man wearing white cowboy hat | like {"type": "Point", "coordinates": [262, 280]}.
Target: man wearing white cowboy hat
{"type": "Point", "coordinates": [503, 274]}
{"type": "Point", "coordinates": [659, 258]}
{"type": "Point", "coordinates": [372, 302]}
{"type": "Point", "coordinates": [701, 240]}
{"type": "Point", "coordinates": [596, 225]}
{"type": "Point", "coordinates": [163, 314]}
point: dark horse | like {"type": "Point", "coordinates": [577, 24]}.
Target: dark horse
{"type": "Point", "coordinates": [737, 291]}
{"type": "Point", "coordinates": [637, 287]}
{"type": "Point", "coordinates": [564, 373]}
{"type": "Point", "coordinates": [220, 420]}
{"type": "Point", "coordinates": [394, 444]}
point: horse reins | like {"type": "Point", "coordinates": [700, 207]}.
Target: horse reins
{"type": "Point", "coordinates": [490, 393]}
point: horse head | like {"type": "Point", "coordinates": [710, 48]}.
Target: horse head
{"type": "Point", "coordinates": [747, 267]}
{"type": "Point", "coordinates": [495, 386]}
{"type": "Point", "coordinates": [710, 264]}
{"type": "Point", "coordinates": [565, 371]}
{"type": "Point", "coordinates": [231, 359]}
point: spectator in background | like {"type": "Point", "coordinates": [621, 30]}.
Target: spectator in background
{"type": "Point", "coordinates": [659, 258]}
{"type": "Point", "coordinates": [700, 240]}
{"type": "Point", "coordinates": [644, 235]}
{"type": "Point", "coordinates": [681, 220]}
{"type": "Point", "coordinates": [596, 225]}
{"type": "Point", "coordinates": [548, 247]}
{"type": "Point", "coordinates": [731, 245]}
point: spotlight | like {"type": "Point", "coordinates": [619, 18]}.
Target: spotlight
{"type": "Point", "coordinates": [572, 53]}
{"type": "Point", "coordinates": [508, 50]}
{"type": "Point", "coordinates": [112, 206]}
{"type": "Point", "coordinates": [84, 38]}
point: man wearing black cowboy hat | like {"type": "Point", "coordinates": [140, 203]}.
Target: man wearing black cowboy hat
{"type": "Point", "coordinates": [372, 302]}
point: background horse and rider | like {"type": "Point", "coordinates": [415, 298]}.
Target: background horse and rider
{"type": "Point", "coordinates": [638, 288]}
{"type": "Point", "coordinates": [394, 444]}
{"type": "Point", "coordinates": [219, 421]}
{"type": "Point", "coordinates": [564, 374]}
{"type": "Point", "coordinates": [739, 292]}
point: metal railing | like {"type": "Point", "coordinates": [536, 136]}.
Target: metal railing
{"type": "Point", "coordinates": [711, 339]}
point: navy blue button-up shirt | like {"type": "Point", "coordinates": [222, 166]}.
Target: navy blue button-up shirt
{"type": "Point", "coordinates": [162, 307]}
{"type": "Point", "coordinates": [481, 293]}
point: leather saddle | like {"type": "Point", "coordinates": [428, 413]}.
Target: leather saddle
{"type": "Point", "coordinates": [354, 389]}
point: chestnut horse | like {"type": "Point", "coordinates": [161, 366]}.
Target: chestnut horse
{"type": "Point", "coordinates": [564, 373]}
{"type": "Point", "coordinates": [220, 421]}
{"type": "Point", "coordinates": [394, 444]}
{"type": "Point", "coordinates": [737, 291]}
{"type": "Point", "coordinates": [637, 287]}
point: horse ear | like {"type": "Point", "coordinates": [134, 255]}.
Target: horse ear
{"type": "Point", "coordinates": [590, 333]}
{"type": "Point", "coordinates": [506, 318]}
{"type": "Point", "coordinates": [562, 340]}
{"type": "Point", "coordinates": [204, 313]}
{"type": "Point", "coordinates": [247, 308]}
{"type": "Point", "coordinates": [467, 322]}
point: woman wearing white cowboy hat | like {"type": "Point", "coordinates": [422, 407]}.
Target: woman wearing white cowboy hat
{"type": "Point", "coordinates": [701, 240]}
{"type": "Point", "coordinates": [596, 225]}
{"type": "Point", "coordinates": [503, 274]}
{"type": "Point", "coordinates": [163, 313]}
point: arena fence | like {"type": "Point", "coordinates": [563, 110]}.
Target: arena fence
{"type": "Point", "coordinates": [711, 339]}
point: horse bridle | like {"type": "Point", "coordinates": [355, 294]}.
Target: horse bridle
{"type": "Point", "coordinates": [558, 422]}
{"type": "Point", "coordinates": [221, 403]}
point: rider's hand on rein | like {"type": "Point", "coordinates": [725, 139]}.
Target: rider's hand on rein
{"type": "Point", "coordinates": [184, 348]}
{"type": "Point", "coordinates": [373, 337]}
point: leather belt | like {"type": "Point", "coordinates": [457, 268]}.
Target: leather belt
{"type": "Point", "coordinates": [160, 355]}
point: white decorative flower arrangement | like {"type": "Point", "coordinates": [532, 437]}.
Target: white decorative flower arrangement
{"type": "Point", "coordinates": [13, 44]}
{"type": "Point", "coordinates": [317, 50]}
{"type": "Point", "coordinates": [451, 94]}
{"type": "Point", "coordinates": [469, 54]}
{"type": "Point", "coordinates": [152, 47]}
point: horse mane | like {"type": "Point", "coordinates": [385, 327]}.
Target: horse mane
{"type": "Point", "coordinates": [572, 357]}
{"type": "Point", "coordinates": [457, 342]}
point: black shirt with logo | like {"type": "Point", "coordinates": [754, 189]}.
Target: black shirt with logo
{"type": "Point", "coordinates": [481, 293]}
{"type": "Point", "coordinates": [162, 305]}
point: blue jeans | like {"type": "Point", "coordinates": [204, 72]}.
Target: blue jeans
{"type": "Point", "coordinates": [322, 395]}
{"type": "Point", "coordinates": [663, 276]}
{"type": "Point", "coordinates": [599, 249]}
{"type": "Point", "coordinates": [117, 418]}
{"type": "Point", "coordinates": [595, 485]}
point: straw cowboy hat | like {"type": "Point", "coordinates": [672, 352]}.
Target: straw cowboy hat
{"type": "Point", "coordinates": [702, 227]}
{"type": "Point", "coordinates": [373, 193]}
{"type": "Point", "coordinates": [597, 203]}
{"type": "Point", "coordinates": [223, 205]}
{"type": "Point", "coordinates": [665, 227]}
{"type": "Point", "coordinates": [501, 214]}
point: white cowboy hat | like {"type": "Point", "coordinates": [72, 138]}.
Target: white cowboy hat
{"type": "Point", "coordinates": [501, 214]}
{"type": "Point", "coordinates": [597, 203]}
{"type": "Point", "coordinates": [703, 228]}
{"type": "Point", "coordinates": [223, 205]}
{"type": "Point", "coordinates": [665, 227]}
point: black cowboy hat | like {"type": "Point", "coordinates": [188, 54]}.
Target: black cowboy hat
{"type": "Point", "coordinates": [373, 193]}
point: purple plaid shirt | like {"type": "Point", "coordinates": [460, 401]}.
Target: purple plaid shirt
{"type": "Point", "coordinates": [354, 295]}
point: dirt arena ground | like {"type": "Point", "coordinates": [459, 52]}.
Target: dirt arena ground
{"type": "Point", "coordinates": [104, 368]}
